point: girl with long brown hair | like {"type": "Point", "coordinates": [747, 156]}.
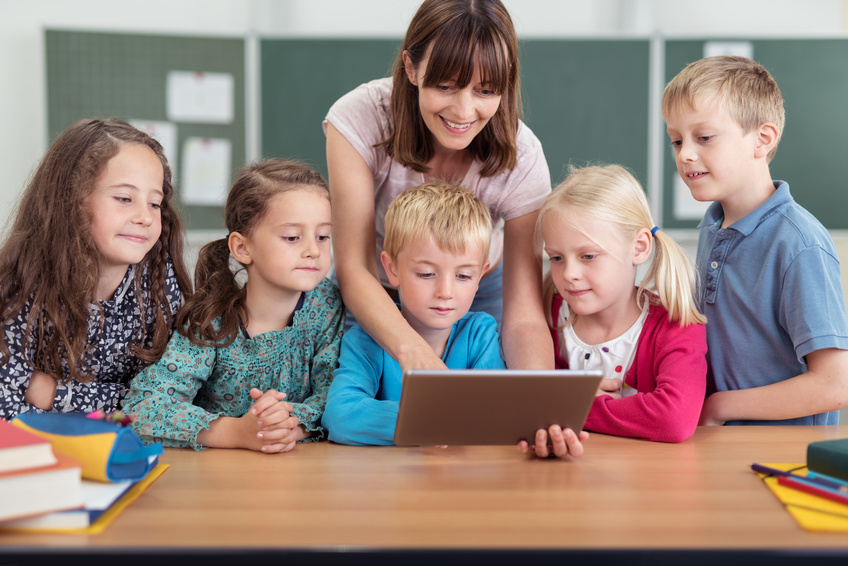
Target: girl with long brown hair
{"type": "Point", "coordinates": [251, 364]}
{"type": "Point", "coordinates": [91, 271]}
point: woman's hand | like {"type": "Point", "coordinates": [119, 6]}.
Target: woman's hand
{"type": "Point", "coordinates": [420, 358]}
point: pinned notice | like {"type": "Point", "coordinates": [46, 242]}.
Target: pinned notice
{"type": "Point", "coordinates": [685, 206]}
{"type": "Point", "coordinates": [195, 96]}
{"type": "Point", "coordinates": [736, 48]}
{"type": "Point", "coordinates": [206, 171]}
{"type": "Point", "coordinates": [166, 134]}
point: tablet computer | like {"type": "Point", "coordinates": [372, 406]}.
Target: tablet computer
{"type": "Point", "coordinates": [474, 407]}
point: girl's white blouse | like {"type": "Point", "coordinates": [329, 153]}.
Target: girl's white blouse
{"type": "Point", "coordinates": [613, 357]}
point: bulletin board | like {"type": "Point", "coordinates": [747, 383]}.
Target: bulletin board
{"type": "Point", "coordinates": [100, 75]}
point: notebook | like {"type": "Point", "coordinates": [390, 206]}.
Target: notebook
{"type": "Point", "coordinates": [812, 513]}
{"type": "Point", "coordinates": [485, 407]}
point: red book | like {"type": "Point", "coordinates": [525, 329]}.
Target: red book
{"type": "Point", "coordinates": [22, 450]}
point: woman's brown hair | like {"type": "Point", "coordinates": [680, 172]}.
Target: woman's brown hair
{"type": "Point", "coordinates": [217, 292]}
{"type": "Point", "coordinates": [50, 259]}
{"type": "Point", "coordinates": [457, 35]}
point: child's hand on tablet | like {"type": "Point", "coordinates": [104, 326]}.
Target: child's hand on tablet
{"type": "Point", "coordinates": [562, 443]}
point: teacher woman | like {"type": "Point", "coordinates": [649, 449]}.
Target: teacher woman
{"type": "Point", "coordinates": [451, 111]}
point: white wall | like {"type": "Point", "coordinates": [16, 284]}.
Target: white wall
{"type": "Point", "coordinates": [23, 124]}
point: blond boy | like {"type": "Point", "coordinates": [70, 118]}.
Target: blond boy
{"type": "Point", "coordinates": [435, 253]}
{"type": "Point", "coordinates": [769, 278]}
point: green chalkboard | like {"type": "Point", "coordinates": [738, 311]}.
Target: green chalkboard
{"type": "Point", "coordinates": [302, 78]}
{"type": "Point", "coordinates": [587, 101]}
{"type": "Point", "coordinates": [124, 76]}
{"type": "Point", "coordinates": [813, 77]}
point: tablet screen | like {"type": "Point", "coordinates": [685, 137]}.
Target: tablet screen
{"type": "Point", "coordinates": [479, 407]}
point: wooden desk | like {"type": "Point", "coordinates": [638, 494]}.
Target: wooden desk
{"type": "Point", "coordinates": [380, 503]}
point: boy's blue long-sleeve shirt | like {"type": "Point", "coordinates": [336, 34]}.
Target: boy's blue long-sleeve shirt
{"type": "Point", "coordinates": [362, 405]}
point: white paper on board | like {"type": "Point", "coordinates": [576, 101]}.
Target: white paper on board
{"type": "Point", "coordinates": [166, 134]}
{"type": "Point", "coordinates": [206, 171]}
{"type": "Point", "coordinates": [195, 96]}
{"type": "Point", "coordinates": [685, 206]}
{"type": "Point", "coordinates": [737, 48]}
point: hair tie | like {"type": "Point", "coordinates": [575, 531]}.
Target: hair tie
{"type": "Point", "coordinates": [654, 230]}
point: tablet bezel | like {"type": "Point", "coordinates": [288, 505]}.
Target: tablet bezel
{"type": "Point", "coordinates": [490, 407]}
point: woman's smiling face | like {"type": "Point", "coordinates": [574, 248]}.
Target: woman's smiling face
{"type": "Point", "coordinates": [453, 115]}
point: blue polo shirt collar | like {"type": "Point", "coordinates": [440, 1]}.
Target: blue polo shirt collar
{"type": "Point", "coordinates": [750, 221]}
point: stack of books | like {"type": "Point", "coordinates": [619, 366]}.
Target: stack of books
{"type": "Point", "coordinates": [42, 489]}
{"type": "Point", "coordinates": [34, 479]}
{"type": "Point", "coordinates": [99, 498]}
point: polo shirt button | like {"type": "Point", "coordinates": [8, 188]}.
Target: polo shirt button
{"type": "Point", "coordinates": [714, 265]}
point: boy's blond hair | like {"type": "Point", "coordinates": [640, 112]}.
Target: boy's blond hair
{"type": "Point", "coordinates": [612, 194]}
{"type": "Point", "coordinates": [742, 86]}
{"type": "Point", "coordinates": [453, 216]}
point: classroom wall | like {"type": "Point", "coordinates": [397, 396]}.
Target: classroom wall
{"type": "Point", "coordinates": [23, 137]}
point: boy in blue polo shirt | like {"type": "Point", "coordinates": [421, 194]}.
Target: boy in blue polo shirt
{"type": "Point", "coordinates": [777, 332]}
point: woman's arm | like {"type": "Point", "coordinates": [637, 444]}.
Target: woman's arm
{"type": "Point", "coordinates": [354, 242]}
{"type": "Point", "coordinates": [526, 338]}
